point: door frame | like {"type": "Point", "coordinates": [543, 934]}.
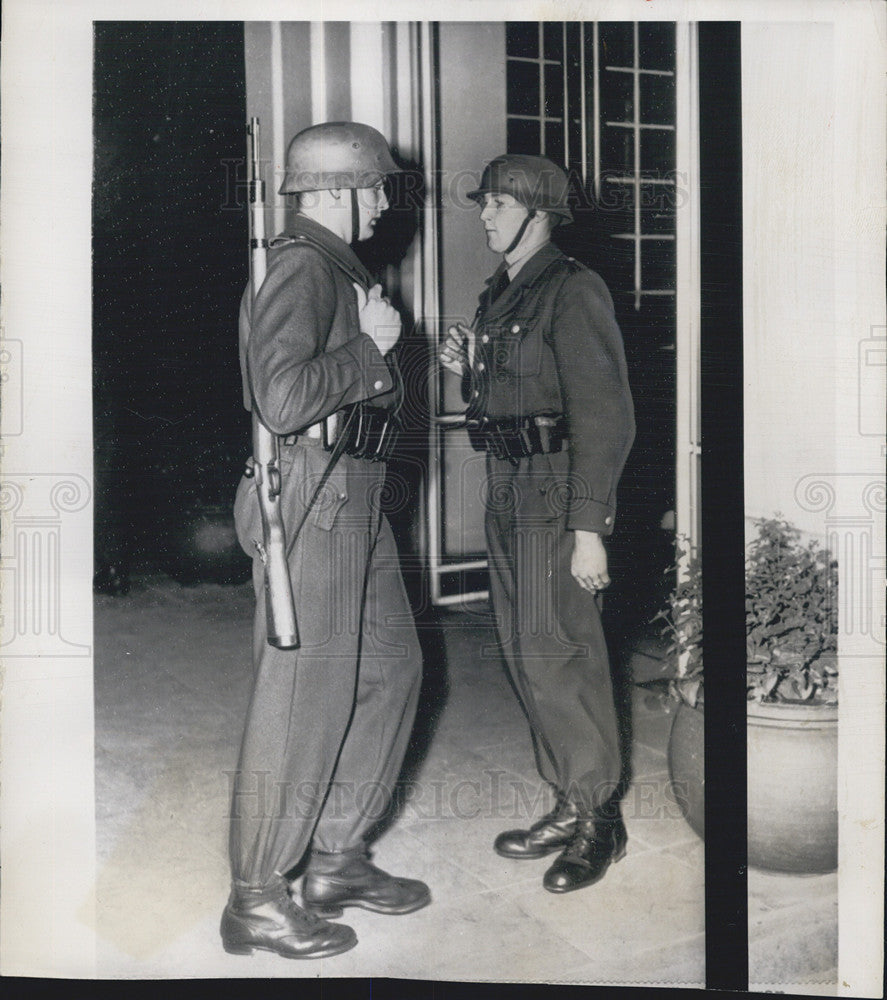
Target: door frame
{"type": "Point", "coordinates": [687, 437]}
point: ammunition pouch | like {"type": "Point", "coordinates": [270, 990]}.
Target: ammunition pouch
{"type": "Point", "coordinates": [514, 438]}
{"type": "Point", "coordinates": [370, 432]}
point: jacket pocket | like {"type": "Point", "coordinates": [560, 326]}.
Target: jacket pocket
{"type": "Point", "coordinates": [520, 347]}
{"type": "Point", "coordinates": [333, 494]}
{"type": "Point", "coordinates": [331, 499]}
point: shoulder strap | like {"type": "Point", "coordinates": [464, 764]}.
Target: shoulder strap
{"type": "Point", "coordinates": [572, 267]}
{"type": "Point", "coordinates": [358, 274]}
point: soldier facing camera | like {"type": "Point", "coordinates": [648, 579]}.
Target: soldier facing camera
{"type": "Point", "coordinates": [544, 376]}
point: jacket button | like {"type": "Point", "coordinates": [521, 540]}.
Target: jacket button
{"type": "Point", "coordinates": [608, 520]}
{"type": "Point", "coordinates": [515, 328]}
{"type": "Point", "coordinates": [485, 339]}
{"type": "Point", "coordinates": [481, 366]}
{"type": "Point", "coordinates": [378, 384]}
{"type": "Point", "coordinates": [475, 394]}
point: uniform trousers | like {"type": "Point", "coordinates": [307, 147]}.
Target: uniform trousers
{"type": "Point", "coordinates": [328, 724]}
{"type": "Point", "coordinates": [550, 630]}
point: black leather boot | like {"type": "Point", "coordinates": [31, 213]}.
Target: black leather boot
{"type": "Point", "coordinates": [347, 878]}
{"type": "Point", "coordinates": [269, 920]}
{"type": "Point", "coordinates": [549, 834]}
{"type": "Point", "coordinates": [596, 844]}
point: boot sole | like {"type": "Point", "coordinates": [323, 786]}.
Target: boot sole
{"type": "Point", "coordinates": [331, 911]}
{"type": "Point", "coordinates": [248, 949]}
{"type": "Point", "coordinates": [524, 856]}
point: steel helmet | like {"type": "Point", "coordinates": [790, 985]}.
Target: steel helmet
{"type": "Point", "coordinates": [336, 155]}
{"type": "Point", "coordinates": [534, 181]}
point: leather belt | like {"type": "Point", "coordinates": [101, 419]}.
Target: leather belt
{"type": "Point", "coordinates": [367, 432]}
{"type": "Point", "coordinates": [314, 433]}
{"type": "Point", "coordinates": [514, 438]}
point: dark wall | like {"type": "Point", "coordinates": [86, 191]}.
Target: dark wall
{"type": "Point", "coordinates": [169, 265]}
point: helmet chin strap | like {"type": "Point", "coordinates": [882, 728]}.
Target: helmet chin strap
{"type": "Point", "coordinates": [355, 217]}
{"type": "Point", "coordinates": [519, 235]}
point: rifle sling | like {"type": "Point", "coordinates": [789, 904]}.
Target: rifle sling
{"type": "Point", "coordinates": [335, 455]}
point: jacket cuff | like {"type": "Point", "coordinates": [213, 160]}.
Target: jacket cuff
{"type": "Point", "coordinates": [375, 374]}
{"type": "Point", "coordinates": [591, 515]}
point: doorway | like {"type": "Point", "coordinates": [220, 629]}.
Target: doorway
{"type": "Point", "coordinates": [602, 99]}
{"type": "Point", "coordinates": [169, 265]}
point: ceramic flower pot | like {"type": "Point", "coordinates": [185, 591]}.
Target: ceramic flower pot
{"type": "Point", "coordinates": [793, 787]}
{"type": "Point", "coordinates": [686, 764]}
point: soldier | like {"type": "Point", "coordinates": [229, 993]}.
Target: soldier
{"type": "Point", "coordinates": [328, 723]}
{"type": "Point", "coordinates": [544, 374]}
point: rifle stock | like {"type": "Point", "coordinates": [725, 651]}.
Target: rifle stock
{"type": "Point", "coordinates": [279, 603]}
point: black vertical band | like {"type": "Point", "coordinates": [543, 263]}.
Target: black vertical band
{"type": "Point", "coordinates": [726, 886]}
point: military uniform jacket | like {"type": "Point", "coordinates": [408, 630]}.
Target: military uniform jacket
{"type": "Point", "coordinates": [302, 353]}
{"type": "Point", "coordinates": [550, 344]}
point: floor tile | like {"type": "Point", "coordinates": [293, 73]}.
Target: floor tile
{"type": "Point", "coordinates": [172, 682]}
{"type": "Point", "coordinates": [792, 928]}
{"type": "Point", "coordinates": [493, 939]}
{"type": "Point", "coordinates": [679, 965]}
{"type": "Point", "coordinates": [647, 900]}
{"type": "Point", "coordinates": [647, 761]}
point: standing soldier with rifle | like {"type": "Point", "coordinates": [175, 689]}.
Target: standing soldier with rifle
{"type": "Point", "coordinates": [334, 699]}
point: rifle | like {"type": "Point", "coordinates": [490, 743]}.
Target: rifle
{"type": "Point", "coordinates": [280, 610]}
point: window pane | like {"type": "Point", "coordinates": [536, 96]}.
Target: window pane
{"type": "Point", "coordinates": [554, 39]}
{"type": "Point", "coordinates": [617, 150]}
{"type": "Point", "coordinates": [615, 203]}
{"type": "Point", "coordinates": [657, 151]}
{"type": "Point", "coordinates": [523, 136]}
{"type": "Point", "coordinates": [554, 91]}
{"type": "Point", "coordinates": [657, 264]}
{"type": "Point", "coordinates": [522, 39]}
{"type": "Point", "coordinates": [522, 88]}
{"type": "Point", "coordinates": [657, 44]}
{"type": "Point", "coordinates": [619, 265]}
{"type": "Point", "coordinates": [574, 33]}
{"type": "Point", "coordinates": [617, 43]}
{"type": "Point", "coordinates": [574, 95]}
{"type": "Point", "coordinates": [657, 208]}
{"type": "Point", "coordinates": [657, 99]}
{"type": "Point", "coordinates": [617, 97]}
{"type": "Point", "coordinates": [554, 142]}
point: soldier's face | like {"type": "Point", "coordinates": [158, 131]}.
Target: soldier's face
{"type": "Point", "coordinates": [371, 203]}
{"type": "Point", "coordinates": [501, 216]}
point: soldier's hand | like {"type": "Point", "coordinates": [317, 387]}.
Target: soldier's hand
{"type": "Point", "coordinates": [457, 349]}
{"type": "Point", "coordinates": [589, 562]}
{"type": "Point", "coordinates": [377, 317]}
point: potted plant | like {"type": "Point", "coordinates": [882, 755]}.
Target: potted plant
{"type": "Point", "coordinates": [791, 641]}
{"type": "Point", "coordinates": [682, 628]}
